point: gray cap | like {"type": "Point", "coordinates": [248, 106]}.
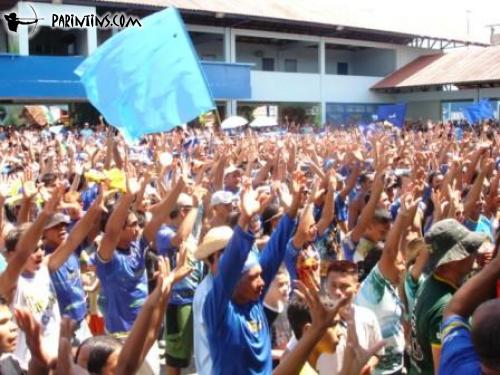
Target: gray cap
{"type": "Point", "coordinates": [57, 219]}
{"type": "Point", "coordinates": [450, 241]}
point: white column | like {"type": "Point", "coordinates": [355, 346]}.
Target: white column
{"type": "Point", "coordinates": [322, 70]}
{"type": "Point", "coordinates": [91, 40]}
{"type": "Point", "coordinates": [230, 57]}
{"type": "Point", "coordinates": [227, 44]}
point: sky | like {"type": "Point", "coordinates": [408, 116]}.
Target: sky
{"type": "Point", "coordinates": [447, 16]}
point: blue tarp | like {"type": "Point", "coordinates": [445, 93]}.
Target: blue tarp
{"type": "Point", "coordinates": [52, 78]}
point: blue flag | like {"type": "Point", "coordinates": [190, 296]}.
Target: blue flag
{"type": "Point", "coordinates": [476, 112]}
{"type": "Point", "coordinates": [486, 109]}
{"type": "Point", "coordinates": [147, 79]}
{"type": "Point", "coordinates": [394, 113]}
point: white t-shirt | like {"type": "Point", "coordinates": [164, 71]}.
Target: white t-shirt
{"type": "Point", "coordinates": [202, 357]}
{"type": "Point", "coordinates": [369, 334]}
{"type": "Point", "coordinates": [37, 294]}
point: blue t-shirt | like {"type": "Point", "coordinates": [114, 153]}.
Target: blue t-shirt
{"type": "Point", "coordinates": [458, 356]}
{"type": "Point", "coordinates": [89, 195]}
{"type": "Point", "coordinates": [340, 208]}
{"type": "Point", "coordinates": [182, 292]}
{"type": "Point", "coordinates": [124, 286]}
{"type": "Point", "coordinates": [239, 334]}
{"type": "Point", "coordinates": [483, 225]}
{"type": "Point", "coordinates": [67, 282]}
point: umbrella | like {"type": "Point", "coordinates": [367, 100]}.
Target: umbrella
{"type": "Point", "coordinates": [234, 122]}
{"type": "Point", "coordinates": [264, 121]}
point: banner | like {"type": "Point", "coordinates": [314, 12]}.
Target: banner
{"type": "Point", "coordinates": [479, 111]}
{"type": "Point", "coordinates": [394, 113]}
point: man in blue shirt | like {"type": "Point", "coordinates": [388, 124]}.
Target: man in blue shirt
{"type": "Point", "coordinates": [121, 266]}
{"type": "Point", "coordinates": [233, 310]}
{"type": "Point", "coordinates": [473, 350]}
{"type": "Point", "coordinates": [65, 273]}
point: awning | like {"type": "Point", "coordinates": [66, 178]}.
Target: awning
{"type": "Point", "coordinates": [51, 78]}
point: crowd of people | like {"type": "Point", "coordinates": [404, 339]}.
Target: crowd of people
{"type": "Point", "coordinates": [350, 251]}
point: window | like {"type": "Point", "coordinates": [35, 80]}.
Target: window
{"type": "Point", "coordinates": [268, 64]}
{"type": "Point", "coordinates": [342, 68]}
{"type": "Point", "coordinates": [291, 65]}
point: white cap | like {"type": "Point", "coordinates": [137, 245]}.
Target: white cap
{"type": "Point", "coordinates": [184, 200]}
{"type": "Point", "coordinates": [231, 169]}
{"type": "Point", "coordinates": [221, 197]}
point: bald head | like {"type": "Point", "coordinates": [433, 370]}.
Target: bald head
{"type": "Point", "coordinates": [485, 333]}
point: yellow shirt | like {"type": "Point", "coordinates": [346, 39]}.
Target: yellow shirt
{"type": "Point", "coordinates": [308, 370]}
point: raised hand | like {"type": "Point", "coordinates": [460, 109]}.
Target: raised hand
{"type": "Point", "coordinates": [52, 204]}
{"type": "Point", "coordinates": [182, 267]}
{"type": "Point", "coordinates": [322, 316]}
{"type": "Point", "coordinates": [198, 193]}
{"type": "Point", "coordinates": [32, 331]}
{"type": "Point", "coordinates": [249, 202]}
{"type": "Point", "coordinates": [65, 364]}
{"type": "Point", "coordinates": [355, 356]}
{"type": "Point", "coordinates": [100, 202]}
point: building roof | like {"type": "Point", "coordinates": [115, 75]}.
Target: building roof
{"type": "Point", "coordinates": [334, 14]}
{"type": "Point", "coordinates": [470, 67]}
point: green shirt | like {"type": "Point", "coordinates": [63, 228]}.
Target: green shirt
{"type": "Point", "coordinates": [426, 319]}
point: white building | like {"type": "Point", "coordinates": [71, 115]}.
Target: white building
{"type": "Point", "coordinates": [307, 56]}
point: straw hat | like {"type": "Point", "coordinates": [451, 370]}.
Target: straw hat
{"type": "Point", "coordinates": [216, 239]}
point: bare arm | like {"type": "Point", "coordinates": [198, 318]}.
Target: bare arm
{"type": "Point", "coordinates": [77, 235]}
{"type": "Point", "coordinates": [161, 212]}
{"type": "Point", "coordinates": [328, 210]}
{"type": "Point", "coordinates": [186, 227]}
{"type": "Point", "coordinates": [351, 182]}
{"type": "Point", "coordinates": [115, 225]}
{"type": "Point", "coordinates": [475, 191]}
{"type": "Point", "coordinates": [25, 247]}
{"type": "Point", "coordinates": [387, 263]}
{"type": "Point", "coordinates": [369, 209]}
{"type": "Point", "coordinates": [145, 329]}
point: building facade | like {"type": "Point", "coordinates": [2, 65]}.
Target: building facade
{"type": "Point", "coordinates": [293, 68]}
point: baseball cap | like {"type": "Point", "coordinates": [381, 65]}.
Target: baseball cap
{"type": "Point", "coordinates": [450, 241]}
{"type": "Point", "coordinates": [221, 197]}
{"type": "Point", "coordinates": [57, 219]}
{"type": "Point", "coordinates": [231, 169]}
{"type": "Point", "coordinates": [216, 239]}
{"type": "Point", "coordinates": [184, 200]}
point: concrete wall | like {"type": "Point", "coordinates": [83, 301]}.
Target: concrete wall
{"type": "Point", "coordinates": [210, 50]}
{"type": "Point", "coordinates": [307, 58]}
{"type": "Point", "coordinates": [373, 62]}
{"type": "Point", "coordinates": [334, 56]}
{"type": "Point", "coordinates": [352, 89]}
{"type": "Point", "coordinates": [424, 110]}
{"type": "Point", "coordinates": [300, 87]}
{"type": "Point", "coordinates": [285, 87]}
{"type": "Point", "coordinates": [405, 55]}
